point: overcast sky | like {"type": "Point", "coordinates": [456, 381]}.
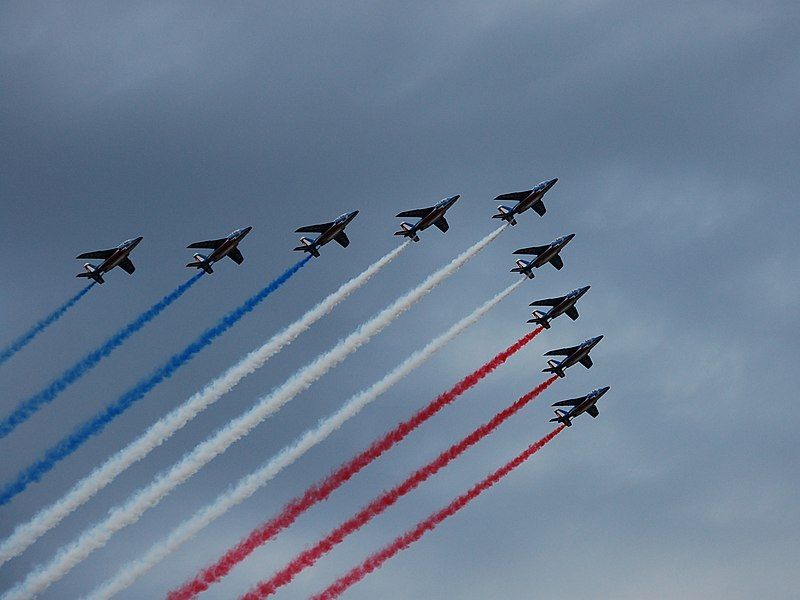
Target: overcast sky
{"type": "Point", "coordinates": [673, 130]}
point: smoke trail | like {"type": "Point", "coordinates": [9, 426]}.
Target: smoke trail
{"type": "Point", "coordinates": [26, 534]}
{"type": "Point", "coordinates": [98, 535]}
{"type": "Point", "coordinates": [28, 407]}
{"type": "Point", "coordinates": [387, 499]}
{"type": "Point", "coordinates": [248, 485]}
{"type": "Point", "coordinates": [320, 491]}
{"type": "Point", "coordinates": [97, 423]}
{"type": "Point", "coordinates": [377, 559]}
{"type": "Point", "coordinates": [54, 316]}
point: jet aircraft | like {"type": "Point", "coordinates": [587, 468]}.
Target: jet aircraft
{"type": "Point", "coordinates": [559, 306]}
{"type": "Point", "coordinates": [327, 232]}
{"type": "Point", "coordinates": [115, 257]}
{"type": "Point", "coordinates": [572, 355]}
{"type": "Point", "coordinates": [584, 404]}
{"type": "Point", "coordinates": [524, 200]}
{"type": "Point", "coordinates": [544, 254]}
{"type": "Point", "coordinates": [227, 246]}
{"type": "Point", "coordinates": [433, 215]}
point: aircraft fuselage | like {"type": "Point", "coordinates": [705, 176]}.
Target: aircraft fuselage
{"type": "Point", "coordinates": [229, 244]}
{"type": "Point", "coordinates": [120, 254]}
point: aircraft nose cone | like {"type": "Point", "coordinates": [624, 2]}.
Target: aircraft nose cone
{"type": "Point", "coordinates": [353, 214]}
{"type": "Point", "coordinates": [598, 338]}
{"type": "Point", "coordinates": [570, 236]}
{"type": "Point", "coordinates": [247, 230]}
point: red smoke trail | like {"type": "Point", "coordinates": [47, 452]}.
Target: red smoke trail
{"type": "Point", "coordinates": [377, 559]}
{"type": "Point", "coordinates": [308, 557]}
{"type": "Point", "coordinates": [321, 490]}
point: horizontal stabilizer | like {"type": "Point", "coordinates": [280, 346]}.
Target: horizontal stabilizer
{"type": "Point", "coordinates": [417, 212]}
{"type": "Point", "coordinates": [321, 228]}
{"type": "Point", "coordinates": [209, 244]}
{"type": "Point", "coordinates": [515, 196]}
{"type": "Point", "coordinates": [127, 266]}
{"type": "Point", "coordinates": [537, 250]}
{"type": "Point", "coordinates": [94, 275]}
{"type": "Point", "coordinates": [100, 254]}
{"type": "Point", "coordinates": [236, 256]}
{"type": "Point", "coordinates": [442, 224]}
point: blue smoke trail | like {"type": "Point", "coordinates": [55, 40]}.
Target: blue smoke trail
{"type": "Point", "coordinates": [54, 316]}
{"type": "Point", "coordinates": [96, 424]}
{"type": "Point", "coordinates": [27, 408]}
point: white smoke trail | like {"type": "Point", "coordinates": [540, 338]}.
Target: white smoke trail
{"type": "Point", "coordinates": [130, 512]}
{"type": "Point", "coordinates": [248, 485]}
{"type": "Point", "coordinates": [47, 518]}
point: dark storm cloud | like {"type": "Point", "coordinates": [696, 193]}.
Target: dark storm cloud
{"type": "Point", "coordinates": [673, 130]}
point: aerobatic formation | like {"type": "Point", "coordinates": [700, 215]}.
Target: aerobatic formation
{"type": "Point", "coordinates": [142, 499]}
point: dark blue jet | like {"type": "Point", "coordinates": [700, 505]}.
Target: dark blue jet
{"type": "Point", "coordinates": [559, 306]}
{"type": "Point", "coordinates": [115, 257]}
{"type": "Point", "coordinates": [524, 200]}
{"type": "Point", "coordinates": [584, 404]}
{"type": "Point", "coordinates": [433, 215]}
{"type": "Point", "coordinates": [544, 254]}
{"type": "Point", "coordinates": [572, 356]}
{"type": "Point", "coordinates": [227, 246]}
{"type": "Point", "coordinates": [327, 232]}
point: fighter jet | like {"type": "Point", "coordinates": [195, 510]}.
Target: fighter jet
{"type": "Point", "coordinates": [115, 257]}
{"type": "Point", "coordinates": [227, 246]}
{"type": "Point", "coordinates": [327, 232]}
{"type": "Point", "coordinates": [544, 254]}
{"type": "Point", "coordinates": [524, 200]}
{"type": "Point", "coordinates": [573, 355]}
{"type": "Point", "coordinates": [433, 215]}
{"type": "Point", "coordinates": [559, 306]}
{"type": "Point", "coordinates": [584, 404]}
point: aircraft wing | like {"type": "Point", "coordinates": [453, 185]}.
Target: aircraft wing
{"type": "Point", "coordinates": [417, 212]}
{"type": "Point", "coordinates": [572, 313]}
{"type": "Point", "coordinates": [236, 256]}
{"type": "Point", "coordinates": [342, 239]}
{"type": "Point", "coordinates": [570, 402]}
{"type": "Point", "coordinates": [210, 244]}
{"type": "Point", "coordinates": [561, 351]}
{"type": "Point", "coordinates": [538, 206]}
{"type": "Point", "coordinates": [103, 254]}
{"type": "Point", "coordinates": [586, 361]}
{"type": "Point", "coordinates": [537, 250]}
{"type": "Point", "coordinates": [442, 224]}
{"type": "Point", "coordinates": [517, 196]}
{"type": "Point", "coordinates": [592, 410]}
{"type": "Point", "coordinates": [321, 228]}
{"type": "Point", "coordinates": [557, 262]}
{"type": "Point", "coordinates": [127, 266]}
{"type": "Point", "coordinates": [547, 301]}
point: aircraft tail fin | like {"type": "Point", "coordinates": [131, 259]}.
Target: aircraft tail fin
{"type": "Point", "coordinates": [505, 213]}
{"type": "Point", "coordinates": [201, 262]}
{"type": "Point", "coordinates": [555, 368]}
{"type": "Point", "coordinates": [91, 273]}
{"type": "Point", "coordinates": [561, 417]}
{"type": "Point", "coordinates": [539, 319]}
{"type": "Point", "coordinates": [306, 245]}
{"type": "Point", "coordinates": [523, 268]}
{"type": "Point", "coordinates": [407, 230]}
